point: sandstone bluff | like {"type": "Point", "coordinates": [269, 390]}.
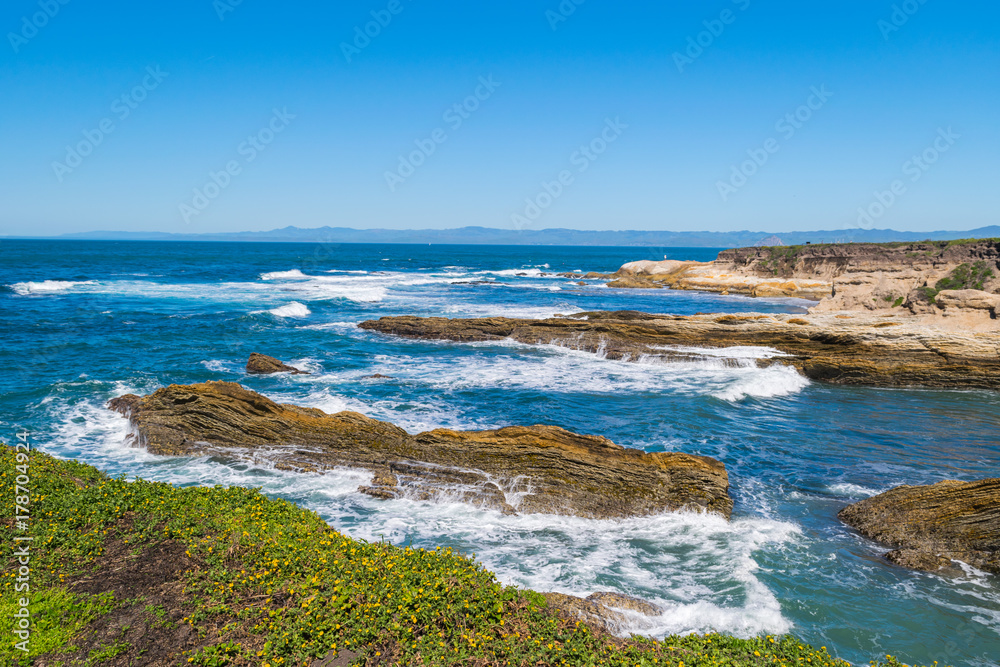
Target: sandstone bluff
{"type": "Point", "coordinates": [841, 349]}
{"type": "Point", "coordinates": [930, 526]}
{"type": "Point", "coordinates": [518, 469]}
{"type": "Point", "coordinates": [954, 284]}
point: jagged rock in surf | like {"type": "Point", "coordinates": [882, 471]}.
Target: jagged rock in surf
{"type": "Point", "coordinates": [603, 611]}
{"type": "Point", "coordinates": [860, 350]}
{"type": "Point", "coordinates": [518, 469]}
{"type": "Point", "coordinates": [931, 526]}
{"type": "Point", "coordinates": [261, 364]}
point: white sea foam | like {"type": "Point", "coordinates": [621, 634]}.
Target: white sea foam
{"type": "Point", "coordinates": [414, 416]}
{"type": "Point", "coordinates": [498, 310]}
{"type": "Point", "coordinates": [217, 365]}
{"type": "Point", "coordinates": [48, 286]}
{"type": "Point", "coordinates": [293, 309]}
{"type": "Point", "coordinates": [732, 352]}
{"type": "Point", "coordinates": [852, 490]}
{"type": "Point", "coordinates": [688, 564]}
{"type": "Point", "coordinates": [518, 273]}
{"type": "Point", "coordinates": [294, 274]}
{"type": "Point", "coordinates": [551, 368]}
{"type": "Point", "coordinates": [342, 326]}
{"type": "Point", "coordinates": [768, 382]}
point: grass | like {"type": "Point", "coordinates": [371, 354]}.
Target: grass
{"type": "Point", "coordinates": [265, 582]}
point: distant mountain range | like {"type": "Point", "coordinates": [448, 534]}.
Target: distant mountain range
{"type": "Point", "coordinates": [493, 236]}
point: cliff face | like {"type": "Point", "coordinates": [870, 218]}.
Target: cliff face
{"type": "Point", "coordinates": [902, 278]}
{"type": "Point", "coordinates": [829, 261]}
{"type": "Point", "coordinates": [929, 526]}
{"type": "Point", "coordinates": [519, 469]}
{"type": "Point", "coordinates": [869, 350]}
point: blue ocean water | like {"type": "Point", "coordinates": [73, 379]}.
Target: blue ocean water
{"type": "Point", "coordinates": [83, 322]}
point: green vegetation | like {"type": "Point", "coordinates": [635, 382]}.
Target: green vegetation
{"type": "Point", "coordinates": [256, 581]}
{"type": "Point", "coordinates": [894, 300]}
{"type": "Point", "coordinates": [963, 276]}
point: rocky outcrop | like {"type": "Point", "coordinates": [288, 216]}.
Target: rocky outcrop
{"type": "Point", "coordinates": [518, 469]}
{"type": "Point", "coordinates": [931, 526]}
{"type": "Point", "coordinates": [842, 349]}
{"type": "Point", "coordinates": [603, 611]}
{"type": "Point", "coordinates": [261, 364]}
{"type": "Point", "coordinates": [901, 278]}
{"type": "Point", "coordinates": [956, 302]}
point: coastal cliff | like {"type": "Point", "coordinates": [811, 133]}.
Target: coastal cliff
{"type": "Point", "coordinates": [930, 526]}
{"type": "Point", "coordinates": [954, 283]}
{"type": "Point", "coordinates": [841, 349]}
{"type": "Point", "coordinates": [517, 470]}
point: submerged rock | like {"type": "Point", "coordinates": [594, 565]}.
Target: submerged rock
{"type": "Point", "coordinates": [261, 364]}
{"type": "Point", "coordinates": [518, 469]}
{"type": "Point", "coordinates": [603, 611]}
{"type": "Point", "coordinates": [861, 350]}
{"type": "Point", "coordinates": [931, 526]}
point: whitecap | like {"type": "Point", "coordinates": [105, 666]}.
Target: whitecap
{"type": "Point", "coordinates": [48, 286]}
{"type": "Point", "coordinates": [768, 382]}
{"type": "Point", "coordinates": [294, 274]}
{"type": "Point", "coordinates": [293, 309]}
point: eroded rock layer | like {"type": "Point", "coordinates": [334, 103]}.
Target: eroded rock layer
{"type": "Point", "coordinates": [518, 469]}
{"type": "Point", "coordinates": [858, 350]}
{"type": "Point", "coordinates": [954, 283]}
{"type": "Point", "coordinates": [930, 526]}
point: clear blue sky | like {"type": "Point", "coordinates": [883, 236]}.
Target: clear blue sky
{"type": "Point", "coordinates": [894, 86]}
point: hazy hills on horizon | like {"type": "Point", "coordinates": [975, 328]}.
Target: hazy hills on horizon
{"type": "Point", "coordinates": [497, 236]}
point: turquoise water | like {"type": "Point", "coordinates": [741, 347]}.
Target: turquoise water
{"type": "Point", "coordinates": [84, 322]}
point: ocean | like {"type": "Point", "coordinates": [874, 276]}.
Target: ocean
{"type": "Point", "coordinates": [83, 322]}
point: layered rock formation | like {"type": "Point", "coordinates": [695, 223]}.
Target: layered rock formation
{"type": "Point", "coordinates": [930, 526]}
{"type": "Point", "coordinates": [869, 350]}
{"type": "Point", "coordinates": [261, 364]}
{"type": "Point", "coordinates": [908, 278]}
{"type": "Point", "coordinates": [518, 469]}
{"type": "Point", "coordinates": [718, 276]}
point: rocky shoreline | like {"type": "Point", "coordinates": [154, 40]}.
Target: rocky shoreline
{"type": "Point", "coordinates": [953, 284]}
{"type": "Point", "coordinates": [518, 469]}
{"type": "Point", "coordinates": [852, 349]}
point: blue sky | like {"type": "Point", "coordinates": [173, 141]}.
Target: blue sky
{"type": "Point", "coordinates": [253, 115]}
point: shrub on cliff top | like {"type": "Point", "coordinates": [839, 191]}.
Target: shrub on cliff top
{"type": "Point", "coordinates": [963, 276]}
{"type": "Point", "coordinates": [147, 573]}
